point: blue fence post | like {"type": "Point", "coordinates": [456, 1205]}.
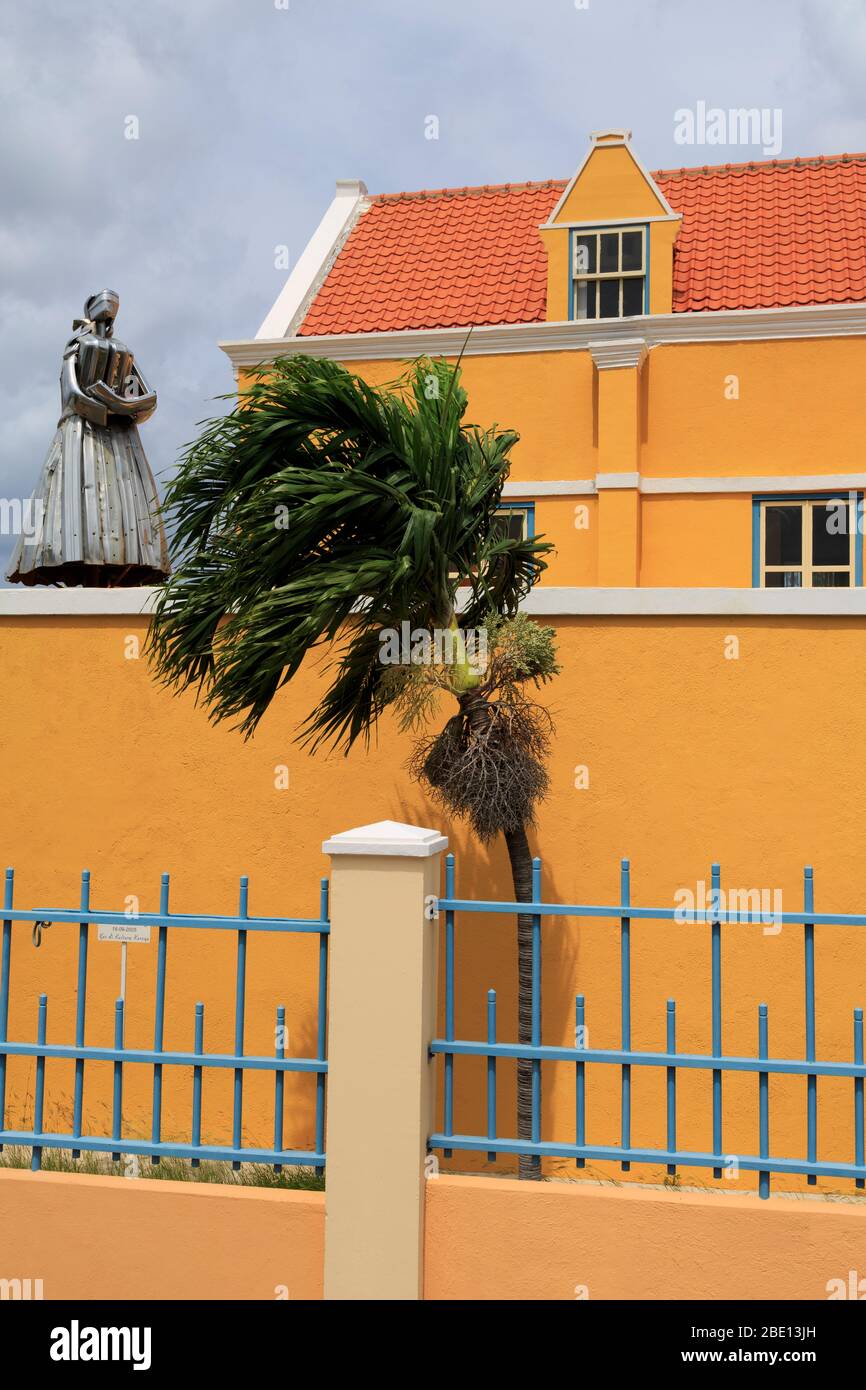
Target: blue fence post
{"type": "Point", "coordinates": [38, 1117]}
{"type": "Point", "coordinates": [240, 1003]}
{"type": "Point", "coordinates": [5, 961]}
{"type": "Point", "coordinates": [322, 1022]}
{"type": "Point", "coordinates": [625, 1003]}
{"type": "Point", "coordinates": [196, 1081]}
{"type": "Point", "coordinates": [671, 1042]}
{"type": "Point", "coordinates": [716, 942]}
{"type": "Point", "coordinates": [159, 1015]}
{"type": "Point", "coordinates": [117, 1107]}
{"type": "Point", "coordinates": [280, 1052]}
{"type": "Point", "coordinates": [763, 1101]}
{"type": "Point", "coordinates": [858, 1094]}
{"type": "Point", "coordinates": [811, 1081]}
{"type": "Point", "coordinates": [448, 1118]}
{"type": "Point", "coordinates": [536, 1010]}
{"type": "Point", "coordinates": [580, 1078]}
{"type": "Point", "coordinates": [80, 1005]}
{"type": "Point", "coordinates": [491, 1072]}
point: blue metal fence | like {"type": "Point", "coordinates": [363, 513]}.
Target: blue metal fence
{"type": "Point", "coordinates": [625, 1057]}
{"type": "Point", "coordinates": [198, 1060]}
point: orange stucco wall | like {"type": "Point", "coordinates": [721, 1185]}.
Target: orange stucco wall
{"type": "Point", "coordinates": [690, 756]}
{"type": "Point", "coordinates": [516, 1240]}
{"type": "Point", "coordinates": [89, 1237]}
{"type": "Point", "coordinates": [729, 410]}
{"type": "Point", "coordinates": [112, 1238]}
{"type": "Point", "coordinates": [799, 408]}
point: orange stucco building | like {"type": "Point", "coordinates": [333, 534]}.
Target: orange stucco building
{"type": "Point", "coordinates": [691, 462]}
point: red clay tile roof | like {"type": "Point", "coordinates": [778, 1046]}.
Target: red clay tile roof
{"type": "Point", "coordinates": [762, 235]}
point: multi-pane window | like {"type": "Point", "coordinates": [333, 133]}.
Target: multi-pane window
{"type": "Point", "coordinates": [808, 544]}
{"type": "Point", "coordinates": [608, 271]}
{"type": "Point", "coordinates": [515, 520]}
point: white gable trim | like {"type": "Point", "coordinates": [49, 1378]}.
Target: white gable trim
{"type": "Point", "coordinates": [314, 263]}
{"type": "Point", "coordinates": [600, 140]}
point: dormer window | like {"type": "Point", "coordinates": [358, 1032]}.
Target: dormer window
{"type": "Point", "coordinates": [608, 270]}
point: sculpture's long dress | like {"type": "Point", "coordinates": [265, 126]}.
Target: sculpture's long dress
{"type": "Point", "coordinates": [95, 511]}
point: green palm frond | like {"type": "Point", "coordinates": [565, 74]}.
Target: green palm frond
{"type": "Point", "coordinates": [319, 511]}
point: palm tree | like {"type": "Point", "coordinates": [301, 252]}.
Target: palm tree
{"type": "Point", "coordinates": [324, 512]}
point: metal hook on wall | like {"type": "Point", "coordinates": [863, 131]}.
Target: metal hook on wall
{"type": "Point", "coordinates": [38, 928]}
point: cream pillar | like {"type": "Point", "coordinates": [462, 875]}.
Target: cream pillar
{"type": "Point", "coordinates": [382, 1017]}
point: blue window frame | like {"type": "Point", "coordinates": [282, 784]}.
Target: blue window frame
{"type": "Point", "coordinates": [519, 511]}
{"type": "Point", "coordinates": [807, 540]}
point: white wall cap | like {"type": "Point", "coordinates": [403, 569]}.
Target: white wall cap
{"type": "Point", "coordinates": [604, 137]}
{"type": "Point", "coordinates": [388, 837]}
{"type": "Point", "coordinates": [312, 266]}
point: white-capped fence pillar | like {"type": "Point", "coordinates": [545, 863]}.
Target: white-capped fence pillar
{"type": "Point", "coordinates": [382, 1018]}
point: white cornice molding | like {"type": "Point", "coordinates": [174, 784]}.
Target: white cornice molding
{"type": "Point", "coordinates": [625, 352]}
{"type": "Point", "coordinates": [315, 261]}
{"type": "Point", "coordinates": [656, 330]}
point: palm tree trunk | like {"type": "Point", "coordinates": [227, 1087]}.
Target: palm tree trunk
{"type": "Point", "coordinates": [477, 713]}
{"type": "Point", "coordinates": [521, 872]}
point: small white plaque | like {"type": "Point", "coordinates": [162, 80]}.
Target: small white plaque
{"type": "Point", "coordinates": [123, 932]}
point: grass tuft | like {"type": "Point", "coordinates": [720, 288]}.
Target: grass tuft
{"type": "Point", "coordinates": [167, 1170]}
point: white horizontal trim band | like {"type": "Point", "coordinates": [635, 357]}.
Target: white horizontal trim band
{"type": "Point", "coordinates": [545, 600]}
{"type": "Point", "coordinates": [38, 602]}
{"type": "Point", "coordinates": [774, 482]}
{"type": "Point", "coordinates": [553, 601]}
{"type": "Point", "coordinates": [613, 480]}
{"type": "Point", "coordinates": [574, 487]}
{"type": "Point", "coordinates": [657, 330]}
{"type": "Point", "coordinates": [789, 482]}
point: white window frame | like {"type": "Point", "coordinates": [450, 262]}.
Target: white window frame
{"type": "Point", "coordinates": [806, 568]}
{"type": "Point", "coordinates": [585, 277]}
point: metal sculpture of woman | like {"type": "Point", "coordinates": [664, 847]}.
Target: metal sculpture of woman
{"type": "Point", "coordinates": [96, 502]}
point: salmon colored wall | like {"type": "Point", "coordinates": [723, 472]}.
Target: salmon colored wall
{"type": "Point", "coordinates": [115, 1238]}
{"type": "Point", "coordinates": [518, 1240]}
{"type": "Point", "coordinates": [691, 757]}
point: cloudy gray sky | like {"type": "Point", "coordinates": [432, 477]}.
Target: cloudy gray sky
{"type": "Point", "coordinates": [248, 110]}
